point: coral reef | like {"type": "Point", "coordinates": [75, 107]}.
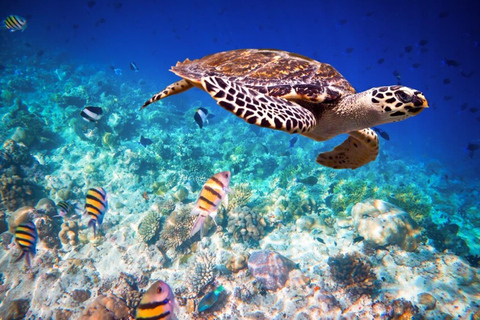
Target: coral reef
{"type": "Point", "coordinates": [106, 308]}
{"type": "Point", "coordinates": [237, 263]}
{"type": "Point", "coordinates": [348, 192]}
{"type": "Point", "coordinates": [445, 237]}
{"type": "Point", "coordinates": [381, 224]}
{"type": "Point", "coordinates": [176, 230]}
{"type": "Point", "coordinates": [427, 300]}
{"type": "Point", "coordinates": [270, 268]}
{"type": "Point", "coordinates": [48, 230]}
{"type": "Point", "coordinates": [245, 225]}
{"type": "Point", "coordinates": [69, 233]}
{"type": "Point", "coordinates": [401, 309]}
{"type": "Point", "coordinates": [241, 195]}
{"type": "Point", "coordinates": [413, 200]}
{"type": "Point", "coordinates": [353, 273]}
{"type": "Point", "coordinates": [15, 309]}
{"type": "Point", "coordinates": [149, 228]}
{"type": "Point", "coordinates": [21, 215]}
{"type": "Point", "coordinates": [46, 207]}
{"type": "Point", "coordinates": [201, 273]}
{"type": "Point", "coordinates": [16, 164]}
{"type": "Point", "coordinates": [125, 287]}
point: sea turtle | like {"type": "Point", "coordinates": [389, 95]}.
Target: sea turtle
{"type": "Point", "coordinates": [289, 92]}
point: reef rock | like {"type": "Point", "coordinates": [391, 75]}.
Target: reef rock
{"type": "Point", "coordinates": [381, 224]}
{"type": "Point", "coordinates": [106, 308]}
{"type": "Point", "coordinates": [270, 268]}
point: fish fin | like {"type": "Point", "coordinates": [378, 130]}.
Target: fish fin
{"type": "Point", "coordinates": [198, 226]}
{"type": "Point", "coordinates": [92, 223]}
{"type": "Point", "coordinates": [195, 211]}
{"type": "Point", "coordinates": [213, 215]}
{"type": "Point", "coordinates": [20, 257]}
{"type": "Point", "coordinates": [28, 260]}
{"type": "Point", "coordinates": [225, 200]}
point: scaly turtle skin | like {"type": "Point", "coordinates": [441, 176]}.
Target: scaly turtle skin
{"type": "Point", "coordinates": [289, 92]}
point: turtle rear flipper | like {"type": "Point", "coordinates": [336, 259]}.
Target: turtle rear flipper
{"type": "Point", "coordinates": [360, 148]}
{"type": "Point", "coordinates": [258, 108]}
{"type": "Point", "coordinates": [174, 88]}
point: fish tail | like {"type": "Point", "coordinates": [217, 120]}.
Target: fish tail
{"type": "Point", "coordinates": [93, 223]}
{"type": "Point", "coordinates": [28, 260]}
{"type": "Point", "coordinates": [198, 226]}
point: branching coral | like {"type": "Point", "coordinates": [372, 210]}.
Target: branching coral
{"type": "Point", "coordinates": [201, 273]}
{"type": "Point", "coordinates": [413, 200]}
{"type": "Point", "coordinates": [347, 193]}
{"type": "Point", "coordinates": [353, 273]}
{"type": "Point", "coordinates": [241, 195]}
{"type": "Point", "coordinates": [177, 229]}
{"type": "Point", "coordinates": [149, 228]}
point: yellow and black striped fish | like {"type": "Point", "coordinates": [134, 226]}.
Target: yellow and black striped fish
{"type": "Point", "coordinates": [95, 207]}
{"type": "Point", "coordinates": [157, 303]}
{"type": "Point", "coordinates": [26, 236]}
{"type": "Point", "coordinates": [213, 192]}
{"type": "Point", "coordinates": [14, 23]}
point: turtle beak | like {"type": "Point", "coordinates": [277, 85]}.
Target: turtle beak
{"type": "Point", "coordinates": [419, 103]}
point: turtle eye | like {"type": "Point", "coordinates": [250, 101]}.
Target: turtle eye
{"type": "Point", "coordinates": [403, 96]}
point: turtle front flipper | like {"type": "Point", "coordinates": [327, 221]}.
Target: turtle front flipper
{"type": "Point", "coordinates": [257, 108]}
{"type": "Point", "coordinates": [174, 88]}
{"type": "Point", "coordinates": [360, 148]}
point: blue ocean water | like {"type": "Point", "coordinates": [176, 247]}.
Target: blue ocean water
{"type": "Point", "coordinates": [432, 46]}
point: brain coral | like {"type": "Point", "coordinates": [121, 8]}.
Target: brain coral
{"type": "Point", "coordinates": [244, 225]}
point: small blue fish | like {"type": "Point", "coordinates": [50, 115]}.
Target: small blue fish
{"type": "Point", "coordinates": [117, 71]}
{"type": "Point", "coordinates": [382, 133]}
{"type": "Point", "coordinates": [293, 140]}
{"type": "Point", "coordinates": [14, 23]}
{"type": "Point", "coordinates": [209, 300]}
{"type": "Point", "coordinates": [145, 141]}
{"type": "Point", "coordinates": [133, 67]}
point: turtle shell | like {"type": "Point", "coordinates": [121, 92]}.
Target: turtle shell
{"type": "Point", "coordinates": [272, 72]}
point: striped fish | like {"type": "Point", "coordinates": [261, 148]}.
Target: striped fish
{"type": "Point", "coordinates": [157, 303]}
{"type": "Point", "coordinates": [14, 23]}
{"type": "Point", "coordinates": [213, 193]}
{"type": "Point", "coordinates": [26, 236]}
{"type": "Point", "coordinates": [95, 207]}
{"type": "Point", "coordinates": [66, 209]}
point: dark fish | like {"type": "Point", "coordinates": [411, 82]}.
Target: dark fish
{"type": "Point", "coordinates": [467, 74]}
{"type": "Point", "coordinates": [133, 66]}
{"type": "Point", "coordinates": [451, 63]}
{"type": "Point", "coordinates": [416, 65]}
{"type": "Point", "coordinates": [472, 147]}
{"type": "Point", "coordinates": [423, 42]}
{"type": "Point", "coordinates": [381, 60]}
{"type": "Point", "coordinates": [91, 114]}
{"type": "Point", "coordinates": [293, 140]}
{"type": "Point", "coordinates": [117, 71]}
{"type": "Point", "coordinates": [320, 240]}
{"type": "Point", "coordinates": [349, 50]}
{"type": "Point", "coordinates": [75, 26]}
{"type": "Point", "coordinates": [145, 141]}
{"type": "Point", "coordinates": [90, 4]}
{"type": "Point", "coordinates": [118, 5]}
{"type": "Point", "coordinates": [358, 239]}
{"type": "Point", "coordinates": [66, 209]}
{"type": "Point", "coordinates": [446, 81]}
{"type": "Point", "coordinates": [40, 53]}
{"type": "Point", "coordinates": [397, 75]}
{"type": "Point", "coordinates": [342, 22]}
{"type": "Point", "coordinates": [464, 106]}
{"type": "Point", "coordinates": [95, 206]}
{"type": "Point", "coordinates": [473, 110]}
{"type": "Point", "coordinates": [310, 180]}
{"type": "Point", "coordinates": [446, 98]}
{"type": "Point", "coordinates": [382, 133]}
{"type": "Point", "coordinates": [209, 300]}
{"type": "Point", "coordinates": [26, 236]}
{"type": "Point", "coordinates": [201, 117]}
{"type": "Point", "coordinates": [408, 49]}
{"type": "Point", "coordinates": [157, 303]}
{"type": "Point", "coordinates": [99, 22]}
{"type": "Point", "coordinates": [14, 23]}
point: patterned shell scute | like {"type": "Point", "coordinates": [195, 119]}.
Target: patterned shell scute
{"type": "Point", "coordinates": [273, 72]}
{"type": "Point", "coordinates": [270, 268]}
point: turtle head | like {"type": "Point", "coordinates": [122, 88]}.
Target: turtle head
{"type": "Point", "coordinates": [398, 102]}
